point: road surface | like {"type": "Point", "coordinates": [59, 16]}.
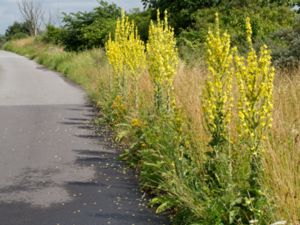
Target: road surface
{"type": "Point", "coordinates": [54, 170]}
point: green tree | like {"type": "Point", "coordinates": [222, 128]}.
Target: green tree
{"type": "Point", "coordinates": [181, 11]}
{"type": "Point", "coordinates": [17, 30]}
{"type": "Point", "coordinates": [142, 20]}
{"type": "Point", "coordinates": [193, 5]}
{"type": "Point", "coordinates": [52, 35]}
{"type": "Point", "coordinates": [85, 30]}
{"type": "Point", "coordinates": [287, 55]}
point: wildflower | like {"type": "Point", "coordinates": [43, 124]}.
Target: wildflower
{"type": "Point", "coordinates": [136, 123]}
{"type": "Point", "coordinates": [255, 76]}
{"type": "Point", "coordinates": [126, 52]}
{"type": "Point", "coordinates": [163, 57]}
{"type": "Point", "coordinates": [217, 103]}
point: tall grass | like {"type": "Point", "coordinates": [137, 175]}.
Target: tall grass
{"type": "Point", "coordinates": [282, 161]}
{"type": "Point", "coordinates": [145, 133]}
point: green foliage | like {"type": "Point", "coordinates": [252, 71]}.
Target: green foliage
{"type": "Point", "coordinates": [287, 54]}
{"type": "Point", "coordinates": [52, 35]}
{"type": "Point", "coordinates": [2, 40]}
{"type": "Point", "coordinates": [17, 31]}
{"type": "Point", "coordinates": [265, 22]}
{"type": "Point", "coordinates": [18, 36]}
{"type": "Point", "coordinates": [142, 21]}
{"type": "Point", "coordinates": [194, 5]}
{"type": "Point", "coordinates": [86, 30]}
{"type": "Point", "coordinates": [181, 10]}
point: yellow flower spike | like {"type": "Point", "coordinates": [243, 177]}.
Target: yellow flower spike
{"type": "Point", "coordinates": [126, 54]}
{"type": "Point", "coordinates": [255, 75]}
{"type": "Point", "coordinates": [217, 103]}
{"type": "Point", "coordinates": [163, 58]}
{"type": "Point", "coordinates": [249, 31]}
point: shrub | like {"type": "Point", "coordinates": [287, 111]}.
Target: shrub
{"type": "Point", "coordinates": [142, 20]}
{"type": "Point", "coordinates": [18, 36]}
{"type": "Point", "coordinates": [52, 35]}
{"type": "Point", "coordinates": [265, 22]}
{"type": "Point", "coordinates": [86, 30]}
{"type": "Point", "coordinates": [287, 55]}
{"type": "Point", "coordinates": [17, 31]}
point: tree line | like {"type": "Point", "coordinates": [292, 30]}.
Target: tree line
{"type": "Point", "coordinates": [273, 23]}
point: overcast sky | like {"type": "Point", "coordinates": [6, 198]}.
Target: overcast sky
{"type": "Point", "coordinates": [9, 10]}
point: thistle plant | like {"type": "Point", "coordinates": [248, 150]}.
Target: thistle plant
{"type": "Point", "coordinates": [255, 75]}
{"type": "Point", "coordinates": [163, 60]}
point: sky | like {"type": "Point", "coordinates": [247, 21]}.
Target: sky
{"type": "Point", "coordinates": [9, 9]}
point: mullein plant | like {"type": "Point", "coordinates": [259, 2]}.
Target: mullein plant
{"type": "Point", "coordinates": [217, 99]}
{"type": "Point", "coordinates": [126, 54]}
{"type": "Point", "coordinates": [217, 106]}
{"type": "Point", "coordinates": [163, 60]}
{"type": "Point", "coordinates": [135, 62]}
{"type": "Point", "coordinates": [255, 76]}
{"type": "Point", "coordinates": [237, 194]}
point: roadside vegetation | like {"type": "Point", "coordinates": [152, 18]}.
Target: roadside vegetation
{"type": "Point", "coordinates": [204, 97]}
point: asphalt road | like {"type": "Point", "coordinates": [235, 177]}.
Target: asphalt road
{"type": "Point", "coordinates": [54, 169]}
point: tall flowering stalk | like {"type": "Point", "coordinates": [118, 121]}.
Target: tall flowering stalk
{"type": "Point", "coordinates": [126, 54]}
{"type": "Point", "coordinates": [217, 103]}
{"type": "Point", "coordinates": [116, 60]}
{"type": "Point", "coordinates": [217, 106]}
{"type": "Point", "coordinates": [255, 75]}
{"type": "Point", "coordinates": [239, 193]}
{"type": "Point", "coordinates": [163, 59]}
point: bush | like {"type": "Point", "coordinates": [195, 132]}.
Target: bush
{"type": "Point", "coordinates": [86, 30]}
{"type": "Point", "coordinates": [142, 21]}
{"type": "Point", "coordinates": [287, 55]}
{"type": "Point", "coordinates": [18, 36]}
{"type": "Point", "coordinates": [264, 20]}
{"type": "Point", "coordinates": [17, 31]}
{"type": "Point", "coordinates": [52, 35]}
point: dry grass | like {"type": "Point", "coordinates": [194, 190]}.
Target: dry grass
{"type": "Point", "coordinates": [282, 163]}
{"type": "Point", "coordinates": [23, 42]}
{"type": "Point", "coordinates": [188, 88]}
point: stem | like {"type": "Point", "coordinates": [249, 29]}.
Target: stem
{"type": "Point", "coordinates": [136, 89]}
{"type": "Point", "coordinates": [158, 97]}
